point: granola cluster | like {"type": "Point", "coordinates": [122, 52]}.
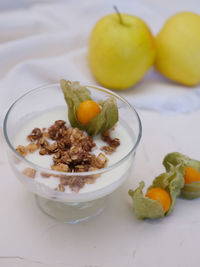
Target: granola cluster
{"type": "Point", "coordinates": [71, 152]}
{"type": "Point", "coordinates": [112, 143]}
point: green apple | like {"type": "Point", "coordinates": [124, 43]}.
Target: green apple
{"type": "Point", "coordinates": [178, 48]}
{"type": "Point", "coordinates": [121, 50]}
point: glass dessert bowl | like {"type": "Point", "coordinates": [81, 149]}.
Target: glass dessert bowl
{"type": "Point", "coordinates": [40, 108]}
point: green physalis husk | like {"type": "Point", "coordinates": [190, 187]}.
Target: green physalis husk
{"type": "Point", "coordinates": [145, 207]}
{"type": "Point", "coordinates": [176, 158]}
{"type": "Point", "coordinates": [189, 191]}
{"type": "Point", "coordinates": [75, 94]}
{"type": "Point", "coordinates": [171, 181]}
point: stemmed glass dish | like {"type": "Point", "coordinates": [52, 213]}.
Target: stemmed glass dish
{"type": "Point", "coordinates": [69, 206]}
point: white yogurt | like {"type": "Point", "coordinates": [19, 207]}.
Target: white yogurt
{"type": "Point", "coordinates": [45, 121]}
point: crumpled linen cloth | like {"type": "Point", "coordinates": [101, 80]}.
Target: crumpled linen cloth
{"type": "Point", "coordinates": [47, 42]}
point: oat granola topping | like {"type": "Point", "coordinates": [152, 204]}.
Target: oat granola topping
{"type": "Point", "coordinates": [60, 167]}
{"type": "Point", "coordinates": [22, 150]}
{"type": "Point", "coordinates": [32, 147]}
{"type": "Point", "coordinates": [57, 130]}
{"type": "Point", "coordinates": [35, 135]}
{"type": "Point", "coordinates": [108, 149]}
{"type": "Point", "coordinates": [112, 143]}
{"type": "Point", "coordinates": [29, 172]}
{"type": "Point", "coordinates": [71, 152]}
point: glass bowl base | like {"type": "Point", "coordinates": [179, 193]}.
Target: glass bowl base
{"type": "Point", "coordinates": [71, 212]}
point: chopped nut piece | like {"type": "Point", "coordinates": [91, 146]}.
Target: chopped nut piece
{"type": "Point", "coordinates": [101, 161]}
{"type": "Point", "coordinates": [81, 168]}
{"type": "Point", "coordinates": [76, 134]}
{"type": "Point", "coordinates": [32, 147]}
{"type": "Point", "coordinates": [115, 142]}
{"type": "Point", "coordinates": [29, 172]}
{"type": "Point", "coordinates": [57, 155]}
{"type": "Point", "coordinates": [22, 150]}
{"type": "Point", "coordinates": [74, 149]}
{"type": "Point", "coordinates": [64, 143]}
{"type": "Point", "coordinates": [57, 130]}
{"type": "Point", "coordinates": [111, 142]}
{"type": "Point", "coordinates": [42, 142]}
{"type": "Point", "coordinates": [60, 167]}
{"type": "Point", "coordinates": [60, 188]}
{"type": "Point", "coordinates": [87, 143]}
{"type": "Point", "coordinates": [43, 151]}
{"type": "Point", "coordinates": [36, 134]}
{"type": "Point", "coordinates": [108, 149]}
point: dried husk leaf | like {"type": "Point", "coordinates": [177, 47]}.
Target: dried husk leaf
{"type": "Point", "coordinates": [75, 94]}
{"type": "Point", "coordinates": [189, 191]}
{"type": "Point", "coordinates": [171, 181]}
{"type": "Point", "coordinates": [144, 207]}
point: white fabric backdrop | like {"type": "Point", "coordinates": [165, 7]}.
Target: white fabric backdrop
{"type": "Point", "coordinates": [47, 42]}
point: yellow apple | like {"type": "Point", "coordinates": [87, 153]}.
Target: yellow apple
{"type": "Point", "coordinates": [178, 48]}
{"type": "Point", "coordinates": [121, 50]}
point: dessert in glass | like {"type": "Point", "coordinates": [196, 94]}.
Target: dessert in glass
{"type": "Point", "coordinates": [71, 165]}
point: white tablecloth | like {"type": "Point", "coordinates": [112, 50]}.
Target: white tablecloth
{"type": "Point", "coordinates": [47, 42]}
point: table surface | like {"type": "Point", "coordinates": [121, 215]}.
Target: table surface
{"type": "Point", "coordinates": [114, 238]}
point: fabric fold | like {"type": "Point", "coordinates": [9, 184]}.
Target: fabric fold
{"type": "Point", "coordinates": [45, 43]}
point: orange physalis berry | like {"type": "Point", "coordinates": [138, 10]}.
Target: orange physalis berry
{"type": "Point", "coordinates": [191, 175]}
{"type": "Point", "coordinates": [87, 110]}
{"type": "Point", "coordinates": [161, 196]}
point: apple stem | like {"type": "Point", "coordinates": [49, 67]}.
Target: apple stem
{"type": "Point", "coordinates": [119, 14]}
